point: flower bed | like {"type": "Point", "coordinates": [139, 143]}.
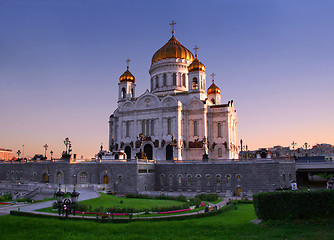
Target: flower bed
{"type": "Point", "coordinates": [5, 203]}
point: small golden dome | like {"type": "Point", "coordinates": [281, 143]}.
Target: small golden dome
{"type": "Point", "coordinates": [172, 49]}
{"type": "Point", "coordinates": [196, 65]}
{"type": "Point", "coordinates": [213, 88]}
{"type": "Point", "coordinates": [127, 76]}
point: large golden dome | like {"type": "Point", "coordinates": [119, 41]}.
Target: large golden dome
{"type": "Point", "coordinates": [127, 76]}
{"type": "Point", "coordinates": [172, 49]}
{"type": "Point", "coordinates": [213, 88]}
{"type": "Point", "coordinates": [196, 65]}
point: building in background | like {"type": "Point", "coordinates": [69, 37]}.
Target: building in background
{"type": "Point", "coordinates": [6, 154]}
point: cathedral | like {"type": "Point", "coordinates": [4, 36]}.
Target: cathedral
{"type": "Point", "coordinates": [179, 118]}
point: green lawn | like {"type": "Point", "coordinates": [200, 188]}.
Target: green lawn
{"type": "Point", "coordinates": [234, 224]}
{"type": "Point", "coordinates": [137, 203]}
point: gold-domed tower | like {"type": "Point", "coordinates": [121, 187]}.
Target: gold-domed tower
{"type": "Point", "coordinates": [214, 92]}
{"type": "Point", "coordinates": [197, 76]}
{"type": "Point", "coordinates": [169, 67]}
{"type": "Point", "coordinates": [126, 85]}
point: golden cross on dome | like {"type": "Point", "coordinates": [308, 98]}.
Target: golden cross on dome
{"type": "Point", "coordinates": [127, 63]}
{"type": "Point", "coordinates": [213, 77]}
{"type": "Point", "coordinates": [195, 49]}
{"type": "Point", "coordinates": [172, 24]}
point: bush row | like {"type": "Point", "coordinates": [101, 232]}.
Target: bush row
{"type": "Point", "coordinates": [85, 208]}
{"type": "Point", "coordinates": [208, 197]}
{"type": "Point", "coordinates": [294, 205]}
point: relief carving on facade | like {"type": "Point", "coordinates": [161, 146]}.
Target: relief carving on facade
{"type": "Point", "coordinates": [196, 144]}
{"type": "Point", "coordinates": [156, 143]}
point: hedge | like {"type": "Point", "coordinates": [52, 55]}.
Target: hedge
{"type": "Point", "coordinates": [127, 220]}
{"type": "Point", "coordinates": [294, 204]}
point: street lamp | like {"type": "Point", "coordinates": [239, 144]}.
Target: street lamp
{"type": "Point", "coordinates": [59, 196]}
{"type": "Point", "coordinates": [74, 198]}
{"type": "Point", "coordinates": [18, 154]}
{"type": "Point", "coordinates": [46, 148]}
{"type": "Point", "coordinates": [51, 154]}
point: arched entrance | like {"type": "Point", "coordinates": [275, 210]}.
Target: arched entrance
{"type": "Point", "coordinates": [45, 178]}
{"type": "Point", "coordinates": [149, 151]}
{"type": "Point", "coordinates": [105, 179]}
{"type": "Point", "coordinates": [127, 150]}
{"type": "Point", "coordinates": [169, 152]}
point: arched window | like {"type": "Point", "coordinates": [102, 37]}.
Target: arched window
{"type": "Point", "coordinates": [152, 127]}
{"type": "Point", "coordinates": [208, 179]}
{"type": "Point", "coordinates": [156, 82]}
{"type": "Point", "coordinates": [120, 179]}
{"type": "Point", "coordinates": [238, 178]}
{"type": "Point", "coordinates": [189, 179]}
{"type": "Point", "coordinates": [59, 178]}
{"type": "Point", "coordinates": [218, 178]}
{"type": "Point", "coordinates": [174, 79]}
{"type": "Point", "coordinates": [123, 93]}
{"type": "Point", "coordinates": [198, 180]}
{"type": "Point", "coordinates": [162, 179]}
{"type": "Point", "coordinates": [179, 179]}
{"type": "Point", "coordinates": [228, 178]}
{"type": "Point", "coordinates": [127, 129]}
{"type": "Point", "coordinates": [283, 177]}
{"type": "Point", "coordinates": [147, 127]}
{"type": "Point", "coordinates": [195, 128]}
{"type": "Point", "coordinates": [195, 83]}
{"type": "Point", "coordinates": [220, 152]}
{"type": "Point", "coordinates": [290, 177]}
{"type": "Point", "coordinates": [165, 79]}
{"type": "Point", "coordinates": [184, 80]}
{"type": "Point", "coordinates": [170, 180]}
{"type": "Point", "coordinates": [213, 101]}
{"type": "Point", "coordinates": [219, 129]}
{"type": "Point", "coordinates": [169, 126]}
{"type": "Point", "coordinates": [143, 126]}
{"type": "Point", "coordinates": [35, 176]}
{"type": "Point", "coordinates": [105, 179]}
{"type": "Point", "coordinates": [83, 177]}
{"type": "Point", "coordinates": [116, 156]}
{"type": "Point", "coordinates": [132, 93]}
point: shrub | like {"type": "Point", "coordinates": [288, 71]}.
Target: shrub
{"type": "Point", "coordinates": [7, 196]}
{"type": "Point", "coordinates": [211, 197]}
{"type": "Point", "coordinates": [294, 205]}
{"type": "Point", "coordinates": [22, 200]}
{"type": "Point", "coordinates": [2, 199]}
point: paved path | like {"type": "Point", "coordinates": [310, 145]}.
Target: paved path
{"type": "Point", "coordinates": [84, 195]}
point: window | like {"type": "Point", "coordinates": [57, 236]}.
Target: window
{"type": "Point", "coordinates": [179, 179]}
{"type": "Point", "coordinates": [228, 179]}
{"type": "Point", "coordinates": [35, 176]}
{"type": "Point", "coordinates": [290, 177]}
{"type": "Point", "coordinates": [283, 177]}
{"type": "Point", "coordinates": [143, 126]}
{"type": "Point", "coordinates": [127, 130]}
{"type": "Point", "coordinates": [208, 178]}
{"type": "Point", "coordinates": [147, 127]}
{"type": "Point", "coordinates": [152, 127]}
{"type": "Point", "coordinates": [120, 179]}
{"type": "Point", "coordinates": [213, 101]}
{"type": "Point", "coordinates": [156, 82]}
{"type": "Point", "coordinates": [59, 177]}
{"type": "Point", "coordinates": [169, 126]}
{"type": "Point", "coordinates": [162, 179]}
{"type": "Point", "coordinates": [220, 152]}
{"type": "Point", "coordinates": [195, 83]}
{"type": "Point", "coordinates": [83, 177]}
{"type": "Point", "coordinates": [218, 178]}
{"type": "Point", "coordinates": [174, 79]}
{"type": "Point", "coordinates": [219, 129]}
{"type": "Point", "coordinates": [165, 79]}
{"type": "Point", "coordinates": [195, 128]}
{"type": "Point", "coordinates": [132, 93]}
{"type": "Point", "coordinates": [198, 180]}
{"type": "Point", "coordinates": [170, 180]}
{"type": "Point", "coordinates": [123, 93]}
{"type": "Point", "coordinates": [238, 178]}
{"type": "Point", "coordinates": [184, 80]}
{"type": "Point", "coordinates": [189, 179]}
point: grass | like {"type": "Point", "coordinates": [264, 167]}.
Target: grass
{"type": "Point", "coordinates": [107, 201]}
{"type": "Point", "coordinates": [234, 224]}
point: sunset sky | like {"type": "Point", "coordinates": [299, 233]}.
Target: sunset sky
{"type": "Point", "coordinates": [60, 62]}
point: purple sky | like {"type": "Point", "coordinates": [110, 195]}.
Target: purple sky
{"type": "Point", "coordinates": [60, 62]}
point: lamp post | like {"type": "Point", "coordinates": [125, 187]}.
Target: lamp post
{"type": "Point", "coordinates": [306, 146]}
{"type": "Point", "coordinates": [51, 154]}
{"type": "Point", "coordinates": [67, 205]}
{"type": "Point", "coordinates": [18, 154]}
{"type": "Point", "coordinates": [293, 147]}
{"type": "Point", "coordinates": [46, 148]}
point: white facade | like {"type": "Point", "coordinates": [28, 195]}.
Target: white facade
{"type": "Point", "coordinates": [177, 105]}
